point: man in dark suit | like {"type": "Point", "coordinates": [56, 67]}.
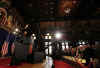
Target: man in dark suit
{"type": "Point", "coordinates": [21, 52]}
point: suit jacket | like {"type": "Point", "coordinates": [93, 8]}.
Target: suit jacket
{"type": "Point", "coordinates": [22, 48]}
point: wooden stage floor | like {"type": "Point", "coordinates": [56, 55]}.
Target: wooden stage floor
{"type": "Point", "coordinates": [39, 65]}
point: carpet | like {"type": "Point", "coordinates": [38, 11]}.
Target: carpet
{"type": "Point", "coordinates": [4, 63]}
{"type": "Point", "coordinates": [61, 64]}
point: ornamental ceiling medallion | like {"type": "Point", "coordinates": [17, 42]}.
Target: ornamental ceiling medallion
{"type": "Point", "coordinates": [65, 6]}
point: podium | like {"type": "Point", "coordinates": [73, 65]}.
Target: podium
{"type": "Point", "coordinates": [38, 57]}
{"type": "Point", "coordinates": [20, 53]}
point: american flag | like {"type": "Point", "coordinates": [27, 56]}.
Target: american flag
{"type": "Point", "coordinates": [3, 20]}
{"type": "Point", "coordinates": [12, 48]}
{"type": "Point", "coordinates": [30, 49]}
{"type": "Point", "coordinates": [4, 50]}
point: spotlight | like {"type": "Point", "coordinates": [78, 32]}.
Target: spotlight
{"type": "Point", "coordinates": [33, 34]}
{"type": "Point", "coordinates": [50, 37]}
{"type": "Point", "coordinates": [26, 26]}
{"type": "Point", "coordinates": [83, 43]}
{"type": "Point", "coordinates": [48, 34]}
{"type": "Point", "coordinates": [16, 30]}
{"type": "Point", "coordinates": [58, 35]}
